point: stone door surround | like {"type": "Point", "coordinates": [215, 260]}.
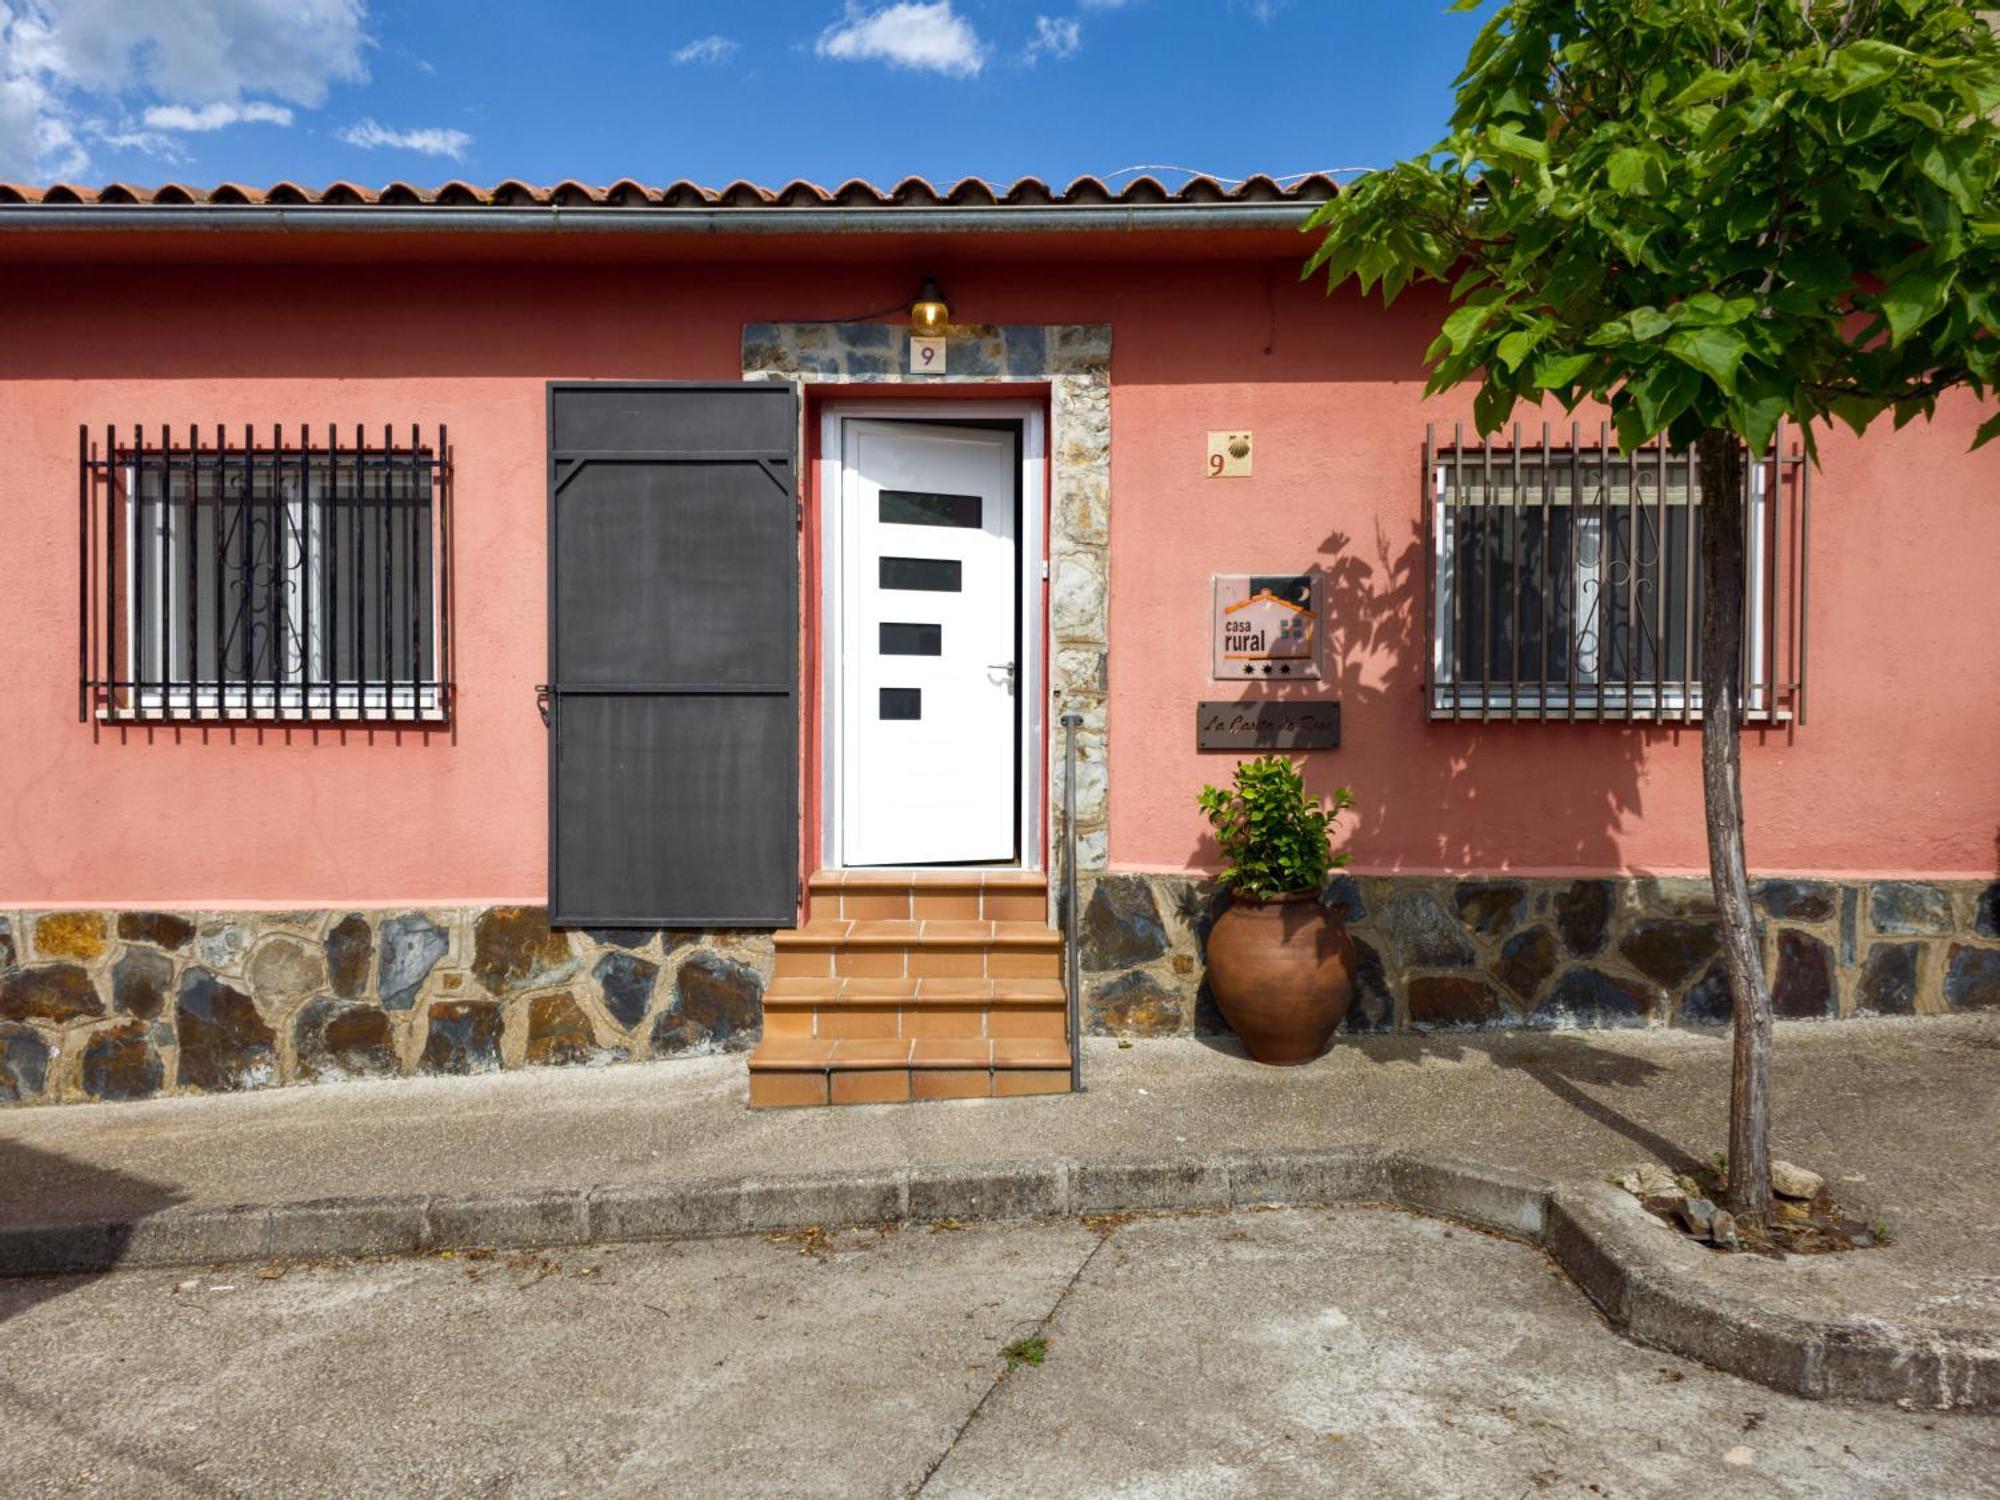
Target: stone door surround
{"type": "Point", "coordinates": [1074, 361]}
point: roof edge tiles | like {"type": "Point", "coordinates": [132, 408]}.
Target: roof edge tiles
{"type": "Point", "coordinates": [797, 207]}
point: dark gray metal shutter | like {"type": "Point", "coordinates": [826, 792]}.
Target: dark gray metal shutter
{"type": "Point", "coordinates": [673, 655]}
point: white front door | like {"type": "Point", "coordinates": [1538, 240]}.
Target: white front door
{"type": "Point", "coordinates": [929, 648]}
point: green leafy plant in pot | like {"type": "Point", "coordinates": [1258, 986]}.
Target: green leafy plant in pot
{"type": "Point", "coordinates": [1280, 965]}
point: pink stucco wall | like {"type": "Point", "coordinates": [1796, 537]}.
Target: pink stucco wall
{"type": "Point", "coordinates": [1894, 772]}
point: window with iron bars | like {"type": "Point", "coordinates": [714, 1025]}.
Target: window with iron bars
{"type": "Point", "coordinates": [264, 579]}
{"type": "Point", "coordinates": [1565, 580]}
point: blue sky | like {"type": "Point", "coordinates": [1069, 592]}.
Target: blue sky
{"type": "Point", "coordinates": [205, 91]}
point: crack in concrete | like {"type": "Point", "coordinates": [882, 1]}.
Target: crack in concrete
{"type": "Point", "coordinates": [1000, 1376]}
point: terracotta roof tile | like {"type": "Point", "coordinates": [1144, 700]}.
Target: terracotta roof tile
{"type": "Point", "coordinates": [910, 192]}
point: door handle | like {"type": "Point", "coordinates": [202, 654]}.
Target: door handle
{"type": "Point", "coordinates": [1003, 666]}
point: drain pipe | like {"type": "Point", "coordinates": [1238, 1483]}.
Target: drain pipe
{"type": "Point", "coordinates": [1072, 959]}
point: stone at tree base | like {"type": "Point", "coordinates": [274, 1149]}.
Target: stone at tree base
{"type": "Point", "coordinates": [120, 1062]}
{"type": "Point", "coordinates": [1451, 1000]}
{"type": "Point", "coordinates": [1583, 916]}
{"type": "Point", "coordinates": [1526, 961]}
{"type": "Point", "coordinates": [464, 1037]}
{"type": "Point", "coordinates": [1803, 990]}
{"type": "Point", "coordinates": [335, 1040]}
{"type": "Point", "coordinates": [1888, 983]}
{"type": "Point", "coordinates": [1908, 908]}
{"type": "Point", "coordinates": [6, 944]}
{"type": "Point", "coordinates": [411, 945]}
{"type": "Point", "coordinates": [1586, 997]}
{"type": "Point", "coordinates": [161, 929]}
{"type": "Point", "coordinates": [1722, 1230]}
{"type": "Point", "coordinates": [1425, 935]}
{"type": "Point", "coordinates": [52, 992]}
{"type": "Point", "coordinates": [1790, 1181]}
{"type": "Point", "coordinates": [1795, 900]}
{"type": "Point", "coordinates": [717, 1002]}
{"type": "Point", "coordinates": [626, 983]}
{"type": "Point", "coordinates": [285, 969]}
{"type": "Point", "coordinates": [515, 949]}
{"type": "Point", "coordinates": [1135, 1004]}
{"type": "Point", "coordinates": [81, 935]}
{"type": "Point", "coordinates": [224, 1042]}
{"type": "Point", "coordinates": [1491, 907]}
{"type": "Point", "coordinates": [1972, 978]}
{"type": "Point", "coordinates": [1667, 950]}
{"type": "Point", "coordinates": [140, 981]}
{"type": "Point", "coordinates": [1697, 1216]}
{"type": "Point", "coordinates": [1651, 1180]}
{"type": "Point", "coordinates": [24, 1062]}
{"type": "Point", "coordinates": [1121, 926]}
{"type": "Point", "coordinates": [349, 947]}
{"type": "Point", "coordinates": [559, 1033]}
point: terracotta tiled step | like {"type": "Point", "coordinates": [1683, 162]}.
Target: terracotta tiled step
{"type": "Point", "coordinates": [835, 1009]}
{"type": "Point", "coordinates": [919, 895]}
{"type": "Point", "coordinates": [830, 948]}
{"type": "Point", "coordinates": [787, 1071]}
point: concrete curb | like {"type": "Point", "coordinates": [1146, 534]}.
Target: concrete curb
{"type": "Point", "coordinates": [1643, 1280]}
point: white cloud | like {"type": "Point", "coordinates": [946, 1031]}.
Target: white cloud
{"type": "Point", "coordinates": [433, 140]}
{"type": "Point", "coordinates": [1261, 11]}
{"type": "Point", "coordinates": [126, 136]}
{"type": "Point", "coordinates": [1054, 39]}
{"type": "Point", "coordinates": [707, 50]}
{"type": "Point", "coordinates": [59, 58]}
{"type": "Point", "coordinates": [930, 38]}
{"type": "Point", "coordinates": [216, 116]}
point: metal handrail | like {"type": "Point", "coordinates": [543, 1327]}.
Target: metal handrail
{"type": "Point", "coordinates": [1072, 960]}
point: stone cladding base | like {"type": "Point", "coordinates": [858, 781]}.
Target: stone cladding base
{"type": "Point", "coordinates": [1439, 952]}
{"type": "Point", "coordinates": [98, 1005]}
{"type": "Point", "coordinates": [128, 1004]}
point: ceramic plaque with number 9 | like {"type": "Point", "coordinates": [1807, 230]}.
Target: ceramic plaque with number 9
{"type": "Point", "coordinates": [1228, 455]}
{"type": "Point", "coordinates": [926, 356]}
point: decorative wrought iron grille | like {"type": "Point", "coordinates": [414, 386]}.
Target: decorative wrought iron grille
{"type": "Point", "coordinates": [1564, 580]}
{"type": "Point", "coordinates": [307, 580]}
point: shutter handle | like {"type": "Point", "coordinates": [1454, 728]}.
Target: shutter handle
{"type": "Point", "coordinates": [543, 691]}
{"type": "Point", "coordinates": [1003, 666]}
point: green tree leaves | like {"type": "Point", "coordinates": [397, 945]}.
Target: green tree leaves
{"type": "Point", "coordinates": [1716, 352]}
{"type": "Point", "coordinates": [1703, 212]}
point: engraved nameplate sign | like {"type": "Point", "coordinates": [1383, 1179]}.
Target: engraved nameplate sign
{"type": "Point", "coordinates": [1268, 725]}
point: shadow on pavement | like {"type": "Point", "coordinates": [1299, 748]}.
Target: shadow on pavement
{"type": "Point", "coordinates": [41, 1190]}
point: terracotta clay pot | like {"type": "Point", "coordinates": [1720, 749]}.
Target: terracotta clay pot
{"type": "Point", "coordinates": [1282, 973]}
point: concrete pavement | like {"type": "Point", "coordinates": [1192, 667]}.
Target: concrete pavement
{"type": "Point", "coordinates": [1902, 1116]}
{"type": "Point", "coordinates": [1347, 1351]}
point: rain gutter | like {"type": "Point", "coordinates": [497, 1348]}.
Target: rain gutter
{"type": "Point", "coordinates": [551, 219]}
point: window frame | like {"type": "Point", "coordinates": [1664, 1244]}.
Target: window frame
{"type": "Point", "coordinates": [1777, 527]}
{"type": "Point", "coordinates": [138, 667]}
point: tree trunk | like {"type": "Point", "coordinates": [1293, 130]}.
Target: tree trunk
{"type": "Point", "coordinates": [1720, 457]}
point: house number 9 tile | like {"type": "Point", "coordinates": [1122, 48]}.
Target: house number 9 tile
{"type": "Point", "coordinates": [926, 356]}
{"type": "Point", "coordinates": [1228, 455]}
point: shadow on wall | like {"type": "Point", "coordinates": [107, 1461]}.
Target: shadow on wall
{"type": "Point", "coordinates": [45, 1190]}
{"type": "Point", "coordinates": [1462, 802]}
